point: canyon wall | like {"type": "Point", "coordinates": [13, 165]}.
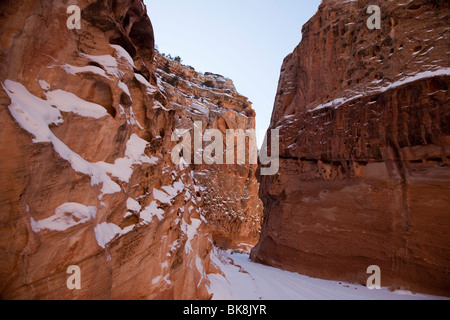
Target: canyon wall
{"type": "Point", "coordinates": [230, 199]}
{"type": "Point", "coordinates": [364, 120]}
{"type": "Point", "coordinates": [86, 175]}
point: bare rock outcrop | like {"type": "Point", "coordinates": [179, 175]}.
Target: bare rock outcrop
{"type": "Point", "coordinates": [364, 122]}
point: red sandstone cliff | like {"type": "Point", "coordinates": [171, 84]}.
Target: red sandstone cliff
{"type": "Point", "coordinates": [364, 122]}
{"type": "Point", "coordinates": [231, 204]}
{"type": "Point", "coordinates": [85, 168]}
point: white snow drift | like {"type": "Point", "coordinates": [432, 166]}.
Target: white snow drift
{"type": "Point", "coordinates": [246, 280]}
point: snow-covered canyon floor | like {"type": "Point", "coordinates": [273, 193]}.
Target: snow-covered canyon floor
{"type": "Point", "coordinates": [246, 280]}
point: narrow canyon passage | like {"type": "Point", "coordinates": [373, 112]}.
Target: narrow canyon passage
{"type": "Point", "coordinates": [246, 280]}
{"type": "Point", "coordinates": [132, 174]}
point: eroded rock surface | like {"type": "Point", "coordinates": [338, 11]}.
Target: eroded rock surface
{"type": "Point", "coordinates": [364, 176]}
{"type": "Point", "coordinates": [86, 172]}
{"type": "Point", "coordinates": [230, 191]}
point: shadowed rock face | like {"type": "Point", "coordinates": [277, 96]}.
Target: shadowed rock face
{"type": "Point", "coordinates": [86, 176]}
{"type": "Point", "coordinates": [364, 174]}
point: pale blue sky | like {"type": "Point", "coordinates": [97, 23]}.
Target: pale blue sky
{"type": "Point", "coordinates": [244, 40]}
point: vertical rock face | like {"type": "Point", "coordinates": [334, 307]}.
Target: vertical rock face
{"type": "Point", "coordinates": [230, 191]}
{"type": "Point", "coordinates": [85, 165]}
{"type": "Point", "coordinates": [364, 174]}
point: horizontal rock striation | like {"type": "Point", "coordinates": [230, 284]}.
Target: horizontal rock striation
{"type": "Point", "coordinates": [364, 122]}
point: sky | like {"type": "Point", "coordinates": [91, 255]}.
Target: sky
{"type": "Point", "coordinates": [244, 40]}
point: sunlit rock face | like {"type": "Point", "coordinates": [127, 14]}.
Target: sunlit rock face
{"type": "Point", "coordinates": [86, 173]}
{"type": "Point", "coordinates": [230, 191]}
{"type": "Point", "coordinates": [365, 149]}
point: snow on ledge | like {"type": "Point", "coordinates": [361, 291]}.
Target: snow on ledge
{"type": "Point", "coordinates": [336, 103]}
{"type": "Point", "coordinates": [68, 102]}
{"type": "Point", "coordinates": [190, 230]}
{"type": "Point", "coordinates": [73, 70]}
{"type": "Point", "coordinates": [133, 205]}
{"type": "Point", "coordinates": [106, 232]}
{"type": "Point", "coordinates": [35, 115]}
{"type": "Point", "coordinates": [122, 53]}
{"type": "Point", "coordinates": [151, 211]}
{"type": "Point", "coordinates": [150, 89]}
{"type": "Point", "coordinates": [66, 216]}
{"type": "Point", "coordinates": [108, 62]}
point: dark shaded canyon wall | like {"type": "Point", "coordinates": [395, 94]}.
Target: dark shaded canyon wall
{"type": "Point", "coordinates": [364, 120]}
